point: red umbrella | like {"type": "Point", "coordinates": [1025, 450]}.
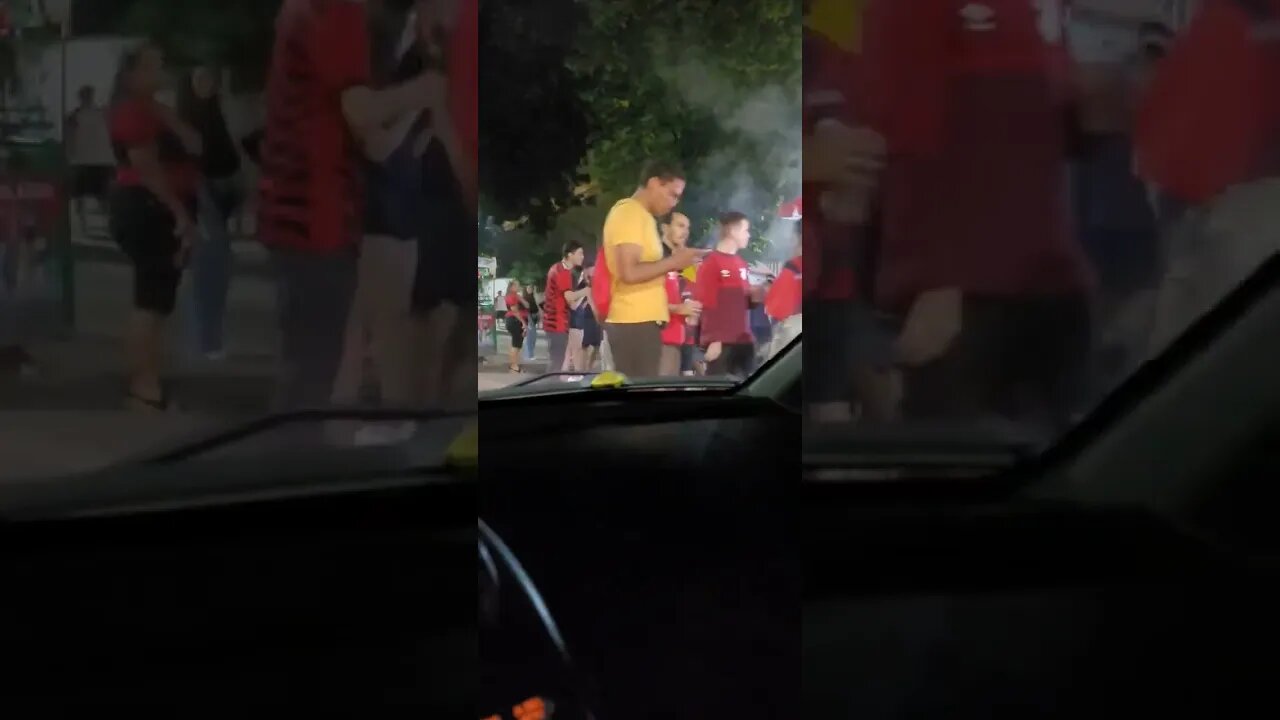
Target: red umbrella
{"type": "Point", "coordinates": [791, 211]}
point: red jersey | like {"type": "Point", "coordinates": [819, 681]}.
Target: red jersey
{"type": "Point", "coordinates": [464, 80]}
{"type": "Point", "coordinates": [723, 288]}
{"type": "Point", "coordinates": [1210, 117]}
{"type": "Point", "coordinates": [515, 308]}
{"type": "Point", "coordinates": [311, 180]}
{"type": "Point", "coordinates": [972, 199]}
{"type": "Point", "coordinates": [559, 281]}
{"type": "Point", "coordinates": [138, 123]}
{"type": "Point", "coordinates": [783, 299]}
{"type": "Point", "coordinates": [673, 331]}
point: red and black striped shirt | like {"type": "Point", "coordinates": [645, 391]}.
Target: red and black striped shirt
{"type": "Point", "coordinates": [311, 186]}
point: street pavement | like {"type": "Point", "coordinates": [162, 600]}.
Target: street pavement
{"type": "Point", "coordinates": [69, 416]}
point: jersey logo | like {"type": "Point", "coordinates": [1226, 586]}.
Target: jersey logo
{"type": "Point", "coordinates": [742, 273]}
{"type": "Point", "coordinates": [725, 273]}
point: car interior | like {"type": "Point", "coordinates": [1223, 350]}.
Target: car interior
{"type": "Point", "coordinates": [649, 518]}
{"type": "Point", "coordinates": [230, 574]}
{"type": "Point", "coordinates": [1130, 570]}
{"type": "Point", "coordinates": [639, 556]}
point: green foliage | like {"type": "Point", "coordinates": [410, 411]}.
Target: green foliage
{"type": "Point", "coordinates": [534, 128]}
{"type": "Point", "coordinates": [237, 34]}
{"type": "Point", "coordinates": [715, 85]}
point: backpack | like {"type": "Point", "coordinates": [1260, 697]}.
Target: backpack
{"type": "Point", "coordinates": [602, 285]}
{"type": "Point", "coordinates": [1209, 118]}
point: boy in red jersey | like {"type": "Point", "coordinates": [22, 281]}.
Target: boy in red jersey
{"type": "Point", "coordinates": [725, 292]}
{"type": "Point", "coordinates": [993, 289]}
{"type": "Point", "coordinates": [675, 234]}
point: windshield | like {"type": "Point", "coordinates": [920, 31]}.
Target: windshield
{"type": "Point", "coordinates": [1014, 204]}
{"type": "Point", "coordinates": [219, 209]}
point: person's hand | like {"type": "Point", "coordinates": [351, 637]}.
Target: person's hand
{"type": "Point", "coordinates": [843, 155]}
{"type": "Point", "coordinates": [931, 327]}
{"type": "Point", "coordinates": [713, 351]}
{"type": "Point", "coordinates": [434, 88]}
{"type": "Point", "coordinates": [684, 257]}
{"type": "Point", "coordinates": [689, 307]}
{"type": "Point", "coordinates": [186, 232]}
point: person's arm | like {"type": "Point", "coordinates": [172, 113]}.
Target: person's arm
{"type": "Point", "coordinates": [378, 144]}
{"type": "Point", "coordinates": [191, 140]}
{"type": "Point", "coordinates": [462, 162]}
{"type": "Point", "coordinates": [633, 271]}
{"type": "Point", "coordinates": [369, 112]}
{"type": "Point", "coordinates": [133, 128]}
{"type": "Point", "coordinates": [340, 50]}
{"type": "Point", "coordinates": [145, 159]}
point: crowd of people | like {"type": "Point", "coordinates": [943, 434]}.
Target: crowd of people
{"type": "Point", "coordinates": [366, 202]}
{"type": "Point", "coordinates": [649, 305]}
{"type": "Point", "coordinates": [1001, 229]}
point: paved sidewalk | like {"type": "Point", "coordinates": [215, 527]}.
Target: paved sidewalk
{"type": "Point", "coordinates": [70, 416]}
{"type": "Point", "coordinates": [38, 444]}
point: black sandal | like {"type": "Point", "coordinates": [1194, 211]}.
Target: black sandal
{"type": "Point", "coordinates": [140, 402]}
{"type": "Point", "coordinates": [163, 404]}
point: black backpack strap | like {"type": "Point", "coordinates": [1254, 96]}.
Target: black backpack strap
{"type": "Point", "coordinates": [791, 265]}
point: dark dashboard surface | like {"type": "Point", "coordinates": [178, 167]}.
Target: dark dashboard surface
{"type": "Point", "coordinates": [360, 595]}
{"type": "Point", "coordinates": [1011, 608]}
{"type": "Point", "coordinates": [659, 532]}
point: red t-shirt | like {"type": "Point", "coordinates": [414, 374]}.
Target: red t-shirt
{"type": "Point", "coordinates": [723, 288]}
{"type": "Point", "coordinates": [138, 123]}
{"type": "Point", "coordinates": [673, 331]}
{"type": "Point", "coordinates": [971, 98]}
{"type": "Point", "coordinates": [311, 180]}
{"type": "Point", "coordinates": [555, 319]}
{"type": "Point", "coordinates": [783, 299]}
{"type": "Point", "coordinates": [515, 308]}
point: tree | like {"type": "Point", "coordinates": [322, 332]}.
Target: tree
{"type": "Point", "coordinates": [715, 85]}
{"type": "Point", "coordinates": [534, 121]}
{"type": "Point", "coordinates": [237, 34]}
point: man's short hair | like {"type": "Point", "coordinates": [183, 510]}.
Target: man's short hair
{"type": "Point", "coordinates": [730, 219]}
{"type": "Point", "coordinates": [571, 247]}
{"type": "Point", "coordinates": [661, 169]}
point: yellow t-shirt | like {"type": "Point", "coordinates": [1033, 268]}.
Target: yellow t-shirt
{"type": "Point", "coordinates": [629, 223]}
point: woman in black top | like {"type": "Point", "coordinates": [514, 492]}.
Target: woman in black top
{"type": "Point", "coordinates": [219, 196]}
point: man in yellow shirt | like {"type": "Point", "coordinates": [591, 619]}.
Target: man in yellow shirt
{"type": "Point", "coordinates": [638, 296]}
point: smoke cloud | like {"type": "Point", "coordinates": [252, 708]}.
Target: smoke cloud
{"type": "Point", "coordinates": [758, 170]}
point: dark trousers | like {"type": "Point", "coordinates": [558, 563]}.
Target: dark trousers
{"type": "Point", "coordinates": [636, 348]}
{"type": "Point", "coordinates": [1024, 359]}
{"type": "Point", "coordinates": [314, 294]}
{"type": "Point", "coordinates": [736, 360]}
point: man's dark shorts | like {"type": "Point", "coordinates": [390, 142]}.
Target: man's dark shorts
{"type": "Point", "coordinates": [314, 295]}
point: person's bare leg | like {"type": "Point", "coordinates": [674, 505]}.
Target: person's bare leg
{"type": "Point", "coordinates": [144, 348]}
{"type": "Point", "coordinates": [669, 365]}
{"type": "Point", "coordinates": [573, 353]}
{"type": "Point", "coordinates": [346, 388]}
{"type": "Point", "coordinates": [433, 334]}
